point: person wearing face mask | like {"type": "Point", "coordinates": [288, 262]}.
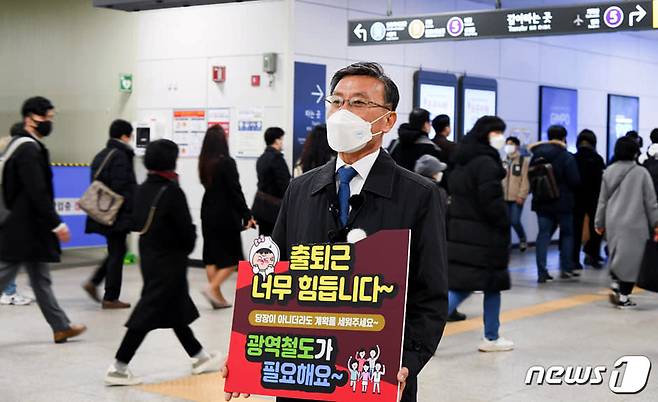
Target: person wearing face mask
{"type": "Point", "coordinates": [117, 172]}
{"type": "Point", "coordinates": [557, 212]}
{"type": "Point", "coordinates": [363, 188]}
{"type": "Point", "coordinates": [651, 159]}
{"type": "Point", "coordinates": [413, 140]}
{"type": "Point", "coordinates": [516, 187]}
{"type": "Point", "coordinates": [32, 232]}
{"type": "Point", "coordinates": [478, 227]}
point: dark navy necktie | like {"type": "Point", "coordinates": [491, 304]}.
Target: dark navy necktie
{"type": "Point", "coordinates": [345, 176]}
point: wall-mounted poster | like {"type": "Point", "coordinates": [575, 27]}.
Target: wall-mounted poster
{"type": "Point", "coordinates": [558, 106]}
{"type": "Point", "coordinates": [623, 116]}
{"type": "Point", "coordinates": [478, 98]}
{"type": "Point", "coordinates": [221, 117]}
{"type": "Point", "coordinates": [436, 93]}
{"type": "Point", "coordinates": [249, 142]}
{"type": "Point", "coordinates": [189, 130]}
{"type": "Point", "coordinates": [328, 325]}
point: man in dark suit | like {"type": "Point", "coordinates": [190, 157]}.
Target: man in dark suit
{"type": "Point", "coordinates": [114, 167]}
{"type": "Point", "coordinates": [32, 231]}
{"type": "Point", "coordinates": [365, 189]}
{"type": "Point", "coordinates": [273, 180]}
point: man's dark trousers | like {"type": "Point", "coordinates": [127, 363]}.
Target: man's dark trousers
{"type": "Point", "coordinates": [112, 268]}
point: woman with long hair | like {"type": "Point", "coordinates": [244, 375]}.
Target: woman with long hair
{"type": "Point", "coordinates": [224, 214]}
{"type": "Point", "coordinates": [316, 151]}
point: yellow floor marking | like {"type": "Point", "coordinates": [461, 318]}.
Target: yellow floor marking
{"type": "Point", "coordinates": [209, 387]}
{"type": "Point", "coordinates": [475, 323]}
{"type": "Point", "coordinates": [199, 388]}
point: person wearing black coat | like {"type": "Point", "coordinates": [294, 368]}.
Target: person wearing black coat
{"type": "Point", "coordinates": [442, 131]}
{"type": "Point", "coordinates": [32, 231]}
{"type": "Point", "coordinates": [413, 141]}
{"type": "Point", "coordinates": [316, 208]}
{"type": "Point", "coordinates": [167, 237]}
{"type": "Point", "coordinates": [478, 227]}
{"type": "Point", "coordinates": [559, 212]}
{"type": "Point", "coordinates": [590, 166]}
{"type": "Point", "coordinates": [273, 180]}
{"type": "Point", "coordinates": [224, 214]}
{"type": "Point", "coordinates": [651, 161]}
{"type": "Point", "coordinates": [114, 167]}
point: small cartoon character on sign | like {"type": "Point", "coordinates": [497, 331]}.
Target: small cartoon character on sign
{"type": "Point", "coordinates": [367, 369]}
{"type": "Point", "coordinates": [355, 375]}
{"type": "Point", "coordinates": [264, 256]}
{"type": "Point", "coordinates": [380, 370]}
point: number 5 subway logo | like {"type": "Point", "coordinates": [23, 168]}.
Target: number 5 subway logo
{"type": "Point", "coordinates": [629, 375]}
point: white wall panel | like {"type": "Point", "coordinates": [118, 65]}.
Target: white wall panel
{"type": "Point", "coordinates": [509, 94]}
{"type": "Point", "coordinates": [519, 59]}
{"type": "Point", "coordinates": [558, 66]}
{"type": "Point", "coordinates": [481, 57]}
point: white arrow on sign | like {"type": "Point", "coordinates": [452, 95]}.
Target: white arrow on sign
{"type": "Point", "coordinates": [318, 93]}
{"type": "Point", "coordinates": [637, 16]}
{"type": "Point", "coordinates": [361, 32]}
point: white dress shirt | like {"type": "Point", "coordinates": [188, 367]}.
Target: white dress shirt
{"type": "Point", "coordinates": [363, 167]}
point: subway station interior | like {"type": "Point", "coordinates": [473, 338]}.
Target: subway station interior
{"type": "Point", "coordinates": [328, 200]}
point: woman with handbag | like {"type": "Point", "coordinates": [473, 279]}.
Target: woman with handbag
{"type": "Point", "coordinates": [224, 214]}
{"type": "Point", "coordinates": [167, 237]}
{"type": "Point", "coordinates": [627, 209]}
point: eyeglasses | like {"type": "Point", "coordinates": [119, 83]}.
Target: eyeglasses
{"type": "Point", "coordinates": [337, 102]}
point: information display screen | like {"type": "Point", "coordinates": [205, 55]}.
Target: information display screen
{"type": "Point", "coordinates": [478, 98]}
{"type": "Point", "coordinates": [558, 106]}
{"type": "Point", "coordinates": [436, 93]}
{"type": "Point", "coordinates": [623, 116]}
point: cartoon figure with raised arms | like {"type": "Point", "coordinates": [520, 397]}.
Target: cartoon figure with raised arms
{"type": "Point", "coordinates": [264, 256]}
{"type": "Point", "coordinates": [360, 357]}
{"type": "Point", "coordinates": [354, 373]}
{"type": "Point", "coordinates": [374, 356]}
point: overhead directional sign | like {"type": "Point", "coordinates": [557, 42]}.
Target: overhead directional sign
{"type": "Point", "coordinates": [510, 23]}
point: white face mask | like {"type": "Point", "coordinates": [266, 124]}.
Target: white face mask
{"type": "Point", "coordinates": [510, 149]}
{"type": "Point", "coordinates": [497, 141]}
{"type": "Point", "coordinates": [347, 132]}
{"type": "Point", "coordinates": [438, 177]}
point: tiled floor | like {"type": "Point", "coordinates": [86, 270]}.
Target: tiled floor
{"type": "Point", "coordinates": [549, 328]}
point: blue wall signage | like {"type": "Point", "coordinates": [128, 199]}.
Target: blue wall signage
{"type": "Point", "coordinates": [558, 106]}
{"type": "Point", "coordinates": [309, 104]}
{"type": "Point", "coordinates": [70, 183]}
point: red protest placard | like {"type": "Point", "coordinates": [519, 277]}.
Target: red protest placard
{"type": "Point", "coordinates": [328, 325]}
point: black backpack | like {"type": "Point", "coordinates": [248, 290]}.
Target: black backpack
{"type": "Point", "coordinates": [543, 185]}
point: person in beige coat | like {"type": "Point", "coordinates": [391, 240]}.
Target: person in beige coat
{"type": "Point", "coordinates": [516, 187]}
